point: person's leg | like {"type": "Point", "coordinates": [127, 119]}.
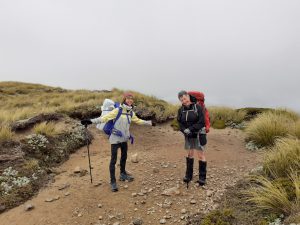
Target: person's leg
{"type": "Point", "coordinates": [202, 167]}
{"type": "Point", "coordinates": [189, 166]}
{"type": "Point", "coordinates": [112, 166]}
{"type": "Point", "coordinates": [123, 175]}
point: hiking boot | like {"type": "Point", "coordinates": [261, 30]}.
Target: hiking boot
{"type": "Point", "coordinates": [125, 176]}
{"type": "Point", "coordinates": [202, 173]}
{"type": "Point", "coordinates": [189, 170]}
{"type": "Point", "coordinates": [114, 187]}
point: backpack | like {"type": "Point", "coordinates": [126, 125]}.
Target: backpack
{"type": "Point", "coordinates": [200, 100]}
{"type": "Point", "coordinates": [107, 107]}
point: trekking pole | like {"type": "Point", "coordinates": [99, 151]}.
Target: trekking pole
{"type": "Point", "coordinates": [88, 149]}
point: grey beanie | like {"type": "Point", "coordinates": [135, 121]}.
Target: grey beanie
{"type": "Point", "coordinates": [182, 93]}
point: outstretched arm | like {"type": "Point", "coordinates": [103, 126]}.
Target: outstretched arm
{"type": "Point", "coordinates": [139, 121]}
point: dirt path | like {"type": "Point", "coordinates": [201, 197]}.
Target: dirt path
{"type": "Point", "coordinates": [158, 147]}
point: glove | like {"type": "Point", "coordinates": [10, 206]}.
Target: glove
{"type": "Point", "coordinates": [187, 131]}
{"type": "Point", "coordinates": [148, 122]}
{"type": "Point", "coordinates": [86, 122]}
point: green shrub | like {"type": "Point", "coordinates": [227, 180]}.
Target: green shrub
{"type": "Point", "coordinates": [218, 217]}
{"type": "Point", "coordinates": [219, 124]}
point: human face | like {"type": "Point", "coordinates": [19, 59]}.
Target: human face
{"type": "Point", "coordinates": [129, 100]}
{"type": "Point", "coordinates": [185, 100]}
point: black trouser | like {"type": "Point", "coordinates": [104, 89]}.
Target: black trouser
{"type": "Point", "coordinates": [113, 160]}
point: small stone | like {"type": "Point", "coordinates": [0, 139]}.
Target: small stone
{"type": "Point", "coordinates": [56, 197]}
{"type": "Point", "coordinates": [116, 223]}
{"type": "Point", "coordinates": [79, 215]}
{"type": "Point", "coordinates": [134, 194]}
{"type": "Point", "coordinates": [126, 186]}
{"type": "Point", "coordinates": [155, 170]}
{"type": "Point", "coordinates": [193, 201]}
{"type": "Point", "coordinates": [100, 217]}
{"type": "Point", "coordinates": [64, 186]}
{"type": "Point", "coordinates": [67, 193]}
{"type": "Point", "coordinates": [49, 200]}
{"type": "Point", "coordinates": [162, 221]}
{"type": "Point", "coordinates": [137, 221]}
{"type": "Point", "coordinates": [134, 158]}
{"type": "Point", "coordinates": [183, 211]}
{"type": "Point", "coordinates": [209, 193]}
{"type": "Point", "coordinates": [100, 206]}
{"type": "Point", "coordinates": [171, 191]}
{"type": "Point", "coordinates": [97, 184]}
{"type": "Point", "coordinates": [77, 169]}
{"type": "Point", "coordinates": [29, 207]}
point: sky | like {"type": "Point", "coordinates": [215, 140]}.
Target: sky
{"type": "Point", "coordinates": [239, 53]}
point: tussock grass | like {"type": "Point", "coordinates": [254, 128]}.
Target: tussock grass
{"type": "Point", "coordinates": [272, 196]}
{"type": "Point", "coordinates": [226, 114]}
{"type": "Point", "coordinates": [5, 133]}
{"type": "Point", "coordinates": [268, 126]}
{"type": "Point", "coordinates": [283, 158]}
{"type": "Point", "coordinates": [46, 128]}
{"type": "Point", "coordinates": [297, 129]}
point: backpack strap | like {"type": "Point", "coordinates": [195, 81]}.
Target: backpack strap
{"type": "Point", "coordinates": [118, 116]}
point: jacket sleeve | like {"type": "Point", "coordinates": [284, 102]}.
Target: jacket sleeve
{"type": "Point", "coordinates": [137, 120]}
{"type": "Point", "coordinates": [200, 123]}
{"type": "Point", "coordinates": [181, 127]}
{"type": "Point", "coordinates": [110, 116]}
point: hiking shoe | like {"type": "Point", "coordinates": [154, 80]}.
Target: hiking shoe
{"type": "Point", "coordinates": [125, 176]}
{"type": "Point", "coordinates": [114, 187]}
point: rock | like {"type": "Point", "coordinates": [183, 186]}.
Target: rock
{"type": "Point", "coordinates": [134, 194]}
{"type": "Point", "coordinates": [100, 205]}
{"type": "Point", "coordinates": [162, 221]}
{"type": "Point", "coordinates": [49, 200]}
{"type": "Point", "coordinates": [116, 223]}
{"type": "Point", "coordinates": [155, 170]}
{"type": "Point", "coordinates": [64, 186]}
{"type": "Point", "coordinates": [29, 207]}
{"type": "Point", "coordinates": [193, 201]}
{"type": "Point", "coordinates": [209, 193]}
{"type": "Point", "coordinates": [183, 211]}
{"type": "Point", "coordinates": [126, 186]}
{"type": "Point", "coordinates": [97, 184]}
{"type": "Point", "coordinates": [79, 215]}
{"type": "Point", "coordinates": [171, 191]}
{"type": "Point", "coordinates": [2, 208]}
{"type": "Point", "coordinates": [134, 158]}
{"type": "Point", "coordinates": [77, 169]}
{"type": "Point", "coordinates": [67, 193]}
{"type": "Point", "coordinates": [28, 123]}
{"type": "Point", "coordinates": [137, 221]}
{"type": "Point", "coordinates": [56, 197]}
{"type": "Point", "coordinates": [100, 218]}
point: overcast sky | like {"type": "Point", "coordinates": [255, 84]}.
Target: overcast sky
{"type": "Point", "coordinates": [240, 53]}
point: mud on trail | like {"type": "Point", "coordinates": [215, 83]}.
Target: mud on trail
{"type": "Point", "coordinates": [71, 198]}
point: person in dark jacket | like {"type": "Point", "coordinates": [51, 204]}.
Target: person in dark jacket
{"type": "Point", "coordinates": [192, 122]}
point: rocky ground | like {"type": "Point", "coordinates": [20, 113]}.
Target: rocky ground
{"type": "Point", "coordinates": [156, 196]}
